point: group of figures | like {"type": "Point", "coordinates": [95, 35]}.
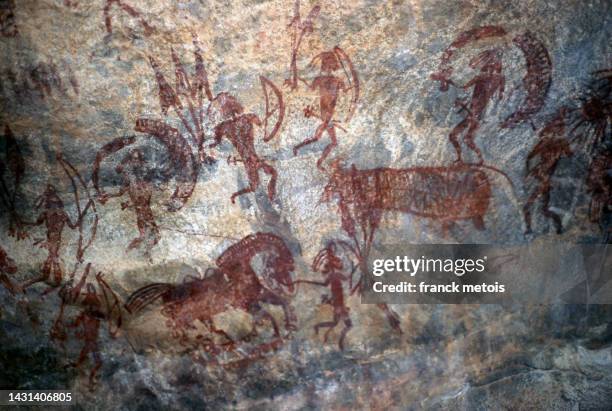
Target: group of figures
{"type": "Point", "coordinates": [257, 271]}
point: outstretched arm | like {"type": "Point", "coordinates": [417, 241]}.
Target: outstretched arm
{"type": "Point", "coordinates": [104, 197]}
{"type": "Point", "coordinates": [322, 283]}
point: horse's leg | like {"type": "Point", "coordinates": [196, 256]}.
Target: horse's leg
{"type": "Point", "coordinates": [211, 326]}
{"type": "Point", "coordinates": [290, 318]}
{"type": "Point", "coordinates": [261, 313]}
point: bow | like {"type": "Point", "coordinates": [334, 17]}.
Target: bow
{"type": "Point", "coordinates": [352, 77]}
{"type": "Point", "coordinates": [265, 84]}
{"type": "Point", "coordinates": [74, 176]}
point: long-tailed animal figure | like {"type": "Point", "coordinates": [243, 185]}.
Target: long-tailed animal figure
{"type": "Point", "coordinates": [8, 266]}
{"type": "Point", "coordinates": [98, 304]}
{"type": "Point", "coordinates": [448, 194]}
{"type": "Point", "coordinates": [330, 265]}
{"type": "Point", "coordinates": [233, 283]}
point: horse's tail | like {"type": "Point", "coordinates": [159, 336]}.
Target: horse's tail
{"type": "Point", "coordinates": [513, 195]}
{"type": "Point", "coordinates": [146, 295]}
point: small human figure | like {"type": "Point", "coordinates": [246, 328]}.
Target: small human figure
{"type": "Point", "coordinates": [330, 265]}
{"type": "Point", "coordinates": [96, 307]}
{"type": "Point", "coordinates": [486, 84]}
{"type": "Point", "coordinates": [238, 129]}
{"type": "Point", "coordinates": [549, 150]}
{"type": "Point", "coordinates": [329, 87]}
{"type": "Point", "coordinates": [140, 190]}
{"type": "Point", "coordinates": [55, 218]}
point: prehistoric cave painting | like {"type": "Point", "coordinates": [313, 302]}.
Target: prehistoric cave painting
{"type": "Point", "coordinates": [328, 85]}
{"type": "Point", "coordinates": [8, 25]}
{"type": "Point", "coordinates": [447, 194]}
{"type": "Point", "coordinates": [489, 82]}
{"type": "Point", "coordinates": [593, 118]}
{"type": "Point", "coordinates": [536, 82]}
{"type": "Point", "coordinates": [54, 217]}
{"type": "Point", "coordinates": [236, 282]}
{"type": "Point", "coordinates": [12, 169]}
{"type": "Point", "coordinates": [8, 267]}
{"type": "Point", "coordinates": [129, 10]}
{"type": "Point", "coordinates": [37, 82]}
{"type": "Point", "coordinates": [237, 127]}
{"type": "Point", "coordinates": [139, 188]}
{"type": "Point", "coordinates": [97, 304]}
{"type": "Point", "coordinates": [330, 265]}
{"type": "Point", "coordinates": [591, 133]}
{"type": "Point", "coordinates": [581, 131]}
{"type": "Point", "coordinates": [541, 163]}
{"type": "Point", "coordinates": [299, 29]}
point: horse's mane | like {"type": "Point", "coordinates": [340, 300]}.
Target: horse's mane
{"type": "Point", "coordinates": [251, 245]}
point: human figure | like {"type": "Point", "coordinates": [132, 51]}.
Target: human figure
{"type": "Point", "coordinates": [140, 191]}
{"type": "Point", "coordinates": [330, 265]}
{"type": "Point", "coordinates": [486, 84]}
{"type": "Point", "coordinates": [88, 326]}
{"type": "Point", "coordinates": [328, 87]}
{"type": "Point", "coordinates": [549, 150]}
{"type": "Point", "coordinates": [55, 218]}
{"type": "Point", "coordinates": [96, 307]}
{"type": "Point", "coordinates": [238, 129]}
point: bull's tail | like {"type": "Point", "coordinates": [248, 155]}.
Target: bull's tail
{"type": "Point", "coordinates": [513, 195]}
{"type": "Point", "coordinates": [146, 295]}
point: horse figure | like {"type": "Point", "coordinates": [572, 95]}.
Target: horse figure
{"type": "Point", "coordinates": [233, 283]}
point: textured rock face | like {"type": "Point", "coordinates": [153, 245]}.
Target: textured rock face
{"type": "Point", "coordinates": [129, 126]}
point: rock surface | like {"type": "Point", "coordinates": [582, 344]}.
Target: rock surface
{"type": "Point", "coordinates": [110, 108]}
